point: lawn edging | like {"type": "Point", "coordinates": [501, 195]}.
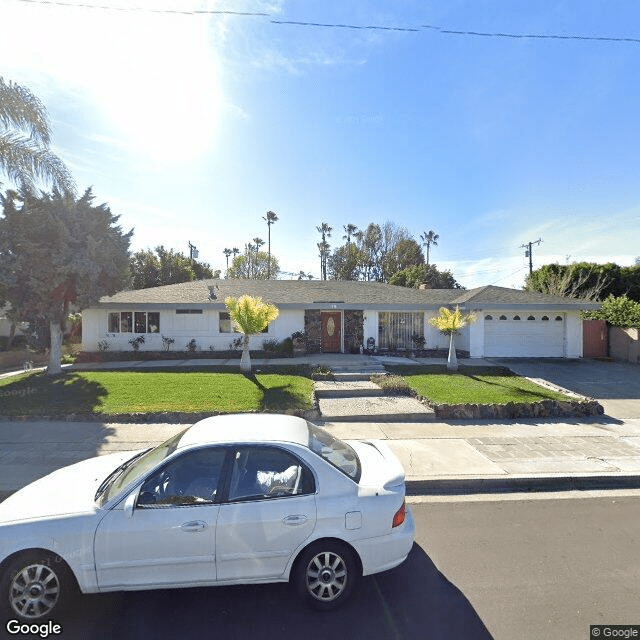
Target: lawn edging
{"type": "Point", "coordinates": [166, 417]}
{"type": "Point", "coordinates": [540, 409]}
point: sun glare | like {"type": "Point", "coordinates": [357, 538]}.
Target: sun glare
{"type": "Point", "coordinates": [153, 78]}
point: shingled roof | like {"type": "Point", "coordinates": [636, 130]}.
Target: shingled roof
{"type": "Point", "coordinates": [342, 294]}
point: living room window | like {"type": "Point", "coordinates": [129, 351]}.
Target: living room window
{"type": "Point", "coordinates": [396, 330]}
{"type": "Point", "coordinates": [130, 321]}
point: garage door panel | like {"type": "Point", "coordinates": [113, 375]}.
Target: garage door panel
{"type": "Point", "coordinates": [524, 338]}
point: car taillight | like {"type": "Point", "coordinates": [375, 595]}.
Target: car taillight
{"type": "Point", "coordinates": [398, 519]}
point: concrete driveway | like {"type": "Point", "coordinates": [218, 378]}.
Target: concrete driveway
{"type": "Point", "coordinates": [616, 385]}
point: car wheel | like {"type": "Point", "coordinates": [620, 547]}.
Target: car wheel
{"type": "Point", "coordinates": [34, 585]}
{"type": "Point", "coordinates": [326, 574]}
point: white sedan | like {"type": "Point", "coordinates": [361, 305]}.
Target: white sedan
{"type": "Point", "coordinates": [232, 499]}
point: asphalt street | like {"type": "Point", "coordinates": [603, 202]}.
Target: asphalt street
{"type": "Point", "coordinates": [503, 567]}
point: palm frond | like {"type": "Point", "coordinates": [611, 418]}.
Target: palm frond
{"type": "Point", "coordinates": [21, 109]}
{"type": "Point", "coordinates": [23, 160]}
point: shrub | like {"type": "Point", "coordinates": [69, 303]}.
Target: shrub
{"type": "Point", "coordinates": [191, 346]}
{"type": "Point", "coordinates": [320, 372]}
{"type": "Point", "coordinates": [392, 385]}
{"type": "Point", "coordinates": [270, 346]}
{"type": "Point", "coordinates": [619, 312]}
{"type": "Point", "coordinates": [418, 341]}
{"type": "Point", "coordinates": [103, 345]}
{"type": "Point", "coordinates": [235, 344]}
{"type": "Point", "coordinates": [136, 342]}
{"type": "Point", "coordinates": [167, 342]}
{"type": "Point", "coordinates": [274, 347]}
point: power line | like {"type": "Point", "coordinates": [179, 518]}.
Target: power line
{"type": "Point", "coordinates": [192, 12]}
{"type": "Point", "coordinates": [343, 26]}
{"type": "Point", "coordinates": [324, 25]}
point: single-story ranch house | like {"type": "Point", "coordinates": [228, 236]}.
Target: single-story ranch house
{"type": "Point", "coordinates": [339, 317]}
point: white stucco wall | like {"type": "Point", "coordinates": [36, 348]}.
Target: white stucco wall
{"type": "Point", "coordinates": [204, 328]}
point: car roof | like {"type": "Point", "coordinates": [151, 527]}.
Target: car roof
{"type": "Point", "coordinates": [247, 427]}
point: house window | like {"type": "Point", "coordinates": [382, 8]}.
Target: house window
{"type": "Point", "coordinates": [126, 322]}
{"type": "Point", "coordinates": [488, 317]}
{"type": "Point", "coordinates": [140, 321]}
{"type": "Point", "coordinates": [531, 318]}
{"type": "Point", "coordinates": [516, 317]}
{"type": "Point", "coordinates": [545, 318]}
{"type": "Point", "coordinates": [396, 330]}
{"type": "Point", "coordinates": [153, 322]}
{"type": "Point", "coordinates": [503, 317]}
{"type": "Point", "coordinates": [189, 311]}
{"type": "Point", "coordinates": [114, 323]}
{"type": "Point", "coordinates": [558, 318]}
{"type": "Point", "coordinates": [226, 325]}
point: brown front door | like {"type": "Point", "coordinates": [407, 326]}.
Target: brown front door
{"type": "Point", "coordinates": [331, 331]}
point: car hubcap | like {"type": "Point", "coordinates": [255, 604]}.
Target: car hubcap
{"type": "Point", "coordinates": [326, 576]}
{"type": "Point", "coordinates": [34, 591]}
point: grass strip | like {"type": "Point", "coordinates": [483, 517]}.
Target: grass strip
{"type": "Point", "coordinates": [473, 385]}
{"type": "Point", "coordinates": [112, 392]}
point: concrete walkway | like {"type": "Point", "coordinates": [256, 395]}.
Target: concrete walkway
{"type": "Point", "coordinates": [439, 457]}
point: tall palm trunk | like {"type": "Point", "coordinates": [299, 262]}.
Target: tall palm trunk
{"type": "Point", "coordinates": [245, 360]}
{"type": "Point", "coordinates": [452, 360]}
{"type": "Point", "coordinates": [55, 353]}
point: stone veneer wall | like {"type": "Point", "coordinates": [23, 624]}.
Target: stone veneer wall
{"type": "Point", "coordinates": [353, 331]}
{"type": "Point", "coordinates": [313, 329]}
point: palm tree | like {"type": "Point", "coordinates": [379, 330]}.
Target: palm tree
{"type": "Point", "coordinates": [227, 253]}
{"type": "Point", "coordinates": [323, 248]}
{"type": "Point", "coordinates": [429, 239]}
{"type": "Point", "coordinates": [325, 230]}
{"type": "Point", "coordinates": [251, 316]}
{"type": "Point", "coordinates": [258, 243]}
{"type": "Point", "coordinates": [350, 229]}
{"type": "Point", "coordinates": [450, 322]}
{"type": "Point", "coordinates": [271, 217]}
{"type": "Point", "coordinates": [25, 138]}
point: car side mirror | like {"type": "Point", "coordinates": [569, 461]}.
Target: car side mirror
{"type": "Point", "coordinates": [130, 503]}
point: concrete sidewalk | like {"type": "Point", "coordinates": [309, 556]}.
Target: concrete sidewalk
{"type": "Point", "coordinates": [439, 458]}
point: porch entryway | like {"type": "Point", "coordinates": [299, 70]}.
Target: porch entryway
{"type": "Point", "coordinates": [331, 331]}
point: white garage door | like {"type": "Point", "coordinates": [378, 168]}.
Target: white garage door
{"type": "Point", "coordinates": [522, 336]}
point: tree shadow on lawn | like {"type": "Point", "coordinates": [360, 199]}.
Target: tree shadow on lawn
{"type": "Point", "coordinates": [278, 397]}
{"type": "Point", "coordinates": [411, 602]}
{"type": "Point", "coordinates": [522, 395]}
{"type": "Point", "coordinates": [40, 394]}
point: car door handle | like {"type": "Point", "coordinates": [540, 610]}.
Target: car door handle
{"type": "Point", "coordinates": [195, 525]}
{"type": "Point", "coordinates": [294, 521]}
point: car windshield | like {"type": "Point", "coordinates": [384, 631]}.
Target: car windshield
{"type": "Point", "coordinates": [132, 470]}
{"type": "Point", "coordinates": [334, 451]}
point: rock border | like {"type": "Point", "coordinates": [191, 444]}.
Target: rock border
{"type": "Point", "coordinates": [541, 409]}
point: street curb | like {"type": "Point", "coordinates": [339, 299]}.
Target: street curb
{"type": "Point", "coordinates": [532, 484]}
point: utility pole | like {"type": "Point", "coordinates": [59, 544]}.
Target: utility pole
{"type": "Point", "coordinates": [193, 252]}
{"type": "Point", "coordinates": [529, 252]}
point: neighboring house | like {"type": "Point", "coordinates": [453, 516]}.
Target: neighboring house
{"type": "Point", "coordinates": [5, 324]}
{"type": "Point", "coordinates": [340, 317]}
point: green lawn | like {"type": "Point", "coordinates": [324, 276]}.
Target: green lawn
{"type": "Point", "coordinates": [114, 392]}
{"type": "Point", "coordinates": [473, 385]}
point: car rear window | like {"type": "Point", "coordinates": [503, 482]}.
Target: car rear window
{"type": "Point", "coordinates": [334, 451]}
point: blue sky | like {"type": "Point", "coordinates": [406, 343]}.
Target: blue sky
{"type": "Point", "coordinates": [192, 126]}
